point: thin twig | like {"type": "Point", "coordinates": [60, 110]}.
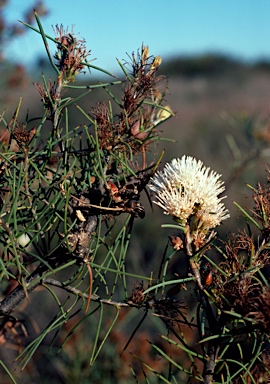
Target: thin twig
{"type": "Point", "coordinates": [96, 206]}
{"type": "Point", "coordinates": [93, 297]}
{"type": "Point", "coordinates": [209, 367]}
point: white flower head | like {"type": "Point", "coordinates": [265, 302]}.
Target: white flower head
{"type": "Point", "coordinates": [186, 189]}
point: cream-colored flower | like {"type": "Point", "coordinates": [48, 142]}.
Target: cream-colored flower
{"type": "Point", "coordinates": [189, 191]}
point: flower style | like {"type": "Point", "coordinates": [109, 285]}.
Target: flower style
{"type": "Point", "coordinates": [189, 191]}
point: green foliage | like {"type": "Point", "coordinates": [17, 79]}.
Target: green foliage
{"type": "Point", "coordinates": [70, 196]}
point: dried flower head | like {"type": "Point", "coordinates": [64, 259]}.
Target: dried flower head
{"type": "Point", "coordinates": [244, 254]}
{"type": "Point", "coordinates": [189, 191]}
{"type": "Point", "coordinates": [108, 136]}
{"type": "Point", "coordinates": [259, 308]}
{"type": "Point", "coordinates": [261, 211]}
{"type": "Point", "coordinates": [71, 53]}
{"type": "Point", "coordinates": [143, 82]}
{"type": "Point", "coordinates": [137, 296]}
{"type": "Point", "coordinates": [244, 295]}
{"type": "Point", "coordinates": [169, 310]}
{"type": "Point", "coordinates": [23, 137]}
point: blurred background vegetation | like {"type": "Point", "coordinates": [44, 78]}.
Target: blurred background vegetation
{"type": "Point", "coordinates": [221, 108]}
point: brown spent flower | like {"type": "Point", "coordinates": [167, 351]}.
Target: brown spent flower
{"type": "Point", "coordinates": [71, 53]}
{"type": "Point", "coordinates": [108, 135]}
{"type": "Point", "coordinates": [244, 253]}
{"type": "Point", "coordinates": [144, 82]}
{"type": "Point", "coordinates": [261, 211]}
{"type": "Point", "coordinates": [239, 290]}
{"type": "Point", "coordinates": [170, 310]}
{"type": "Point", "coordinates": [259, 308]}
{"type": "Point", "coordinates": [23, 137]}
{"type": "Point", "coordinates": [133, 130]}
{"type": "Point", "coordinates": [137, 296]}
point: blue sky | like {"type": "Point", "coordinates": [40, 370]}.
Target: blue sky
{"type": "Point", "coordinates": [170, 27]}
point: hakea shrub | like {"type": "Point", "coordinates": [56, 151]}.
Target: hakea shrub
{"type": "Point", "coordinates": [69, 200]}
{"type": "Point", "coordinates": [232, 293]}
